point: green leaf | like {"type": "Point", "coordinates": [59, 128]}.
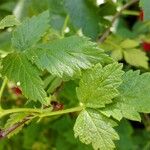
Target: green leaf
{"type": "Point", "coordinates": [126, 141]}
{"type": "Point", "coordinates": [84, 15]}
{"type": "Point", "coordinates": [136, 58]}
{"type": "Point", "coordinates": [128, 43]}
{"type": "Point", "coordinates": [136, 90]}
{"type": "Point", "coordinates": [18, 69]}
{"type": "Point", "coordinates": [119, 110]}
{"type": "Point", "coordinates": [134, 97]}
{"type": "Point", "coordinates": [67, 56]}
{"type": "Point", "coordinates": [98, 85]}
{"type": "Point", "coordinates": [93, 128]}
{"type": "Point", "coordinates": [145, 6]}
{"type": "Point", "coordinates": [57, 14]}
{"type": "Point", "coordinates": [5, 40]}
{"type": "Point", "coordinates": [117, 54]}
{"type": "Point", "coordinates": [30, 31]}
{"type": "Point", "coordinates": [8, 21]}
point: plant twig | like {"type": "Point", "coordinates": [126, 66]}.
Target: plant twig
{"type": "Point", "coordinates": [106, 33]}
{"type": "Point", "coordinates": [35, 113]}
{"type": "Point", "coordinates": [5, 133]}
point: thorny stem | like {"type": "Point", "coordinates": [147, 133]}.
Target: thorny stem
{"type": "Point", "coordinates": [2, 89]}
{"type": "Point", "coordinates": [107, 32]}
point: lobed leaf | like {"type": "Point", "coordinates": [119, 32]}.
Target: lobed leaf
{"type": "Point", "coordinates": [93, 128]}
{"type": "Point", "coordinates": [98, 86]}
{"type": "Point", "coordinates": [30, 31]}
{"type": "Point", "coordinates": [67, 56]}
{"type": "Point", "coordinates": [17, 68]}
{"type": "Point", "coordinates": [134, 97]}
{"type": "Point", "coordinates": [136, 57]}
{"type": "Point", "coordinates": [128, 43]}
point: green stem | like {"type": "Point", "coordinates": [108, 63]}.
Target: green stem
{"type": "Point", "coordinates": [39, 112]}
{"type": "Point", "coordinates": [61, 112]}
{"type": "Point", "coordinates": [2, 88]}
{"type": "Point", "coordinates": [64, 26]}
{"type": "Point", "coordinates": [17, 110]}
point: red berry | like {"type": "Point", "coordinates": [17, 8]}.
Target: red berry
{"type": "Point", "coordinates": [57, 106]}
{"type": "Point", "coordinates": [141, 15]}
{"type": "Point", "coordinates": [16, 90]}
{"type": "Point", "coordinates": [146, 46]}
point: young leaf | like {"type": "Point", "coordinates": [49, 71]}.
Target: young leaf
{"type": "Point", "coordinates": [30, 31]}
{"type": "Point", "coordinates": [18, 69]}
{"type": "Point", "coordinates": [8, 21]}
{"type": "Point", "coordinates": [128, 43]}
{"type": "Point", "coordinates": [134, 97]}
{"type": "Point", "coordinates": [117, 54]}
{"type": "Point", "coordinates": [98, 85]}
{"type": "Point", "coordinates": [136, 58]}
{"type": "Point", "coordinates": [66, 56]}
{"type": "Point", "coordinates": [94, 128]}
